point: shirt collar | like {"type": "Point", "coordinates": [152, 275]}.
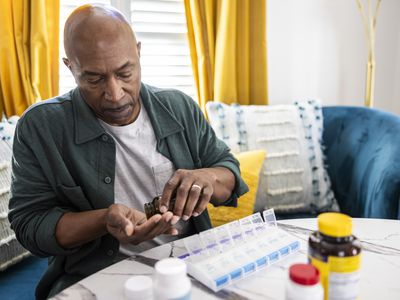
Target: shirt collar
{"type": "Point", "coordinates": [163, 122]}
{"type": "Point", "coordinates": [86, 125]}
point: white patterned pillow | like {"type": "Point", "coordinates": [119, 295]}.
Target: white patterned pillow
{"type": "Point", "coordinates": [11, 250]}
{"type": "Point", "coordinates": [293, 178]}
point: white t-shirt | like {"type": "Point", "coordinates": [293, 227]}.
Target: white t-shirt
{"type": "Point", "coordinates": [141, 173]}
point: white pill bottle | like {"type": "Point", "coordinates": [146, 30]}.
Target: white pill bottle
{"type": "Point", "coordinates": [171, 280]}
{"type": "Point", "coordinates": [303, 283]}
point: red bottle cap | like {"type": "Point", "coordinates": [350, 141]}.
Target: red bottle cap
{"type": "Point", "coordinates": [304, 274]}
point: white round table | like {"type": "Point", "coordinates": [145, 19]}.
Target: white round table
{"type": "Point", "coordinates": [379, 271]}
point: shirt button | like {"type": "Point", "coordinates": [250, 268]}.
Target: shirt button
{"type": "Point", "coordinates": [104, 137]}
{"type": "Point", "coordinates": [110, 252]}
{"type": "Point", "coordinates": [107, 179]}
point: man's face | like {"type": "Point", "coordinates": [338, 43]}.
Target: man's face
{"type": "Point", "coordinates": [109, 76]}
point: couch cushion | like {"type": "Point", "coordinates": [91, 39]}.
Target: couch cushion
{"type": "Point", "coordinates": [293, 178]}
{"type": "Point", "coordinates": [19, 281]}
{"type": "Point", "coordinates": [250, 166]}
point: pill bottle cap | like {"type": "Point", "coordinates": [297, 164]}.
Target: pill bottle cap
{"type": "Point", "coordinates": [139, 287]}
{"type": "Point", "coordinates": [170, 269]}
{"type": "Point", "coordinates": [304, 274]}
{"type": "Point", "coordinates": [335, 224]}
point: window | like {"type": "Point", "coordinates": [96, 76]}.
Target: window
{"type": "Point", "coordinates": [161, 28]}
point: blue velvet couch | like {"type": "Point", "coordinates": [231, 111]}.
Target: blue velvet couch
{"type": "Point", "coordinates": [362, 149]}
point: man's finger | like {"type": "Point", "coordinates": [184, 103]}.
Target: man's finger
{"type": "Point", "coordinates": [169, 190]}
{"type": "Point", "coordinates": [193, 199]}
{"type": "Point", "coordinates": [159, 229]}
{"type": "Point", "coordinates": [142, 231]}
{"type": "Point", "coordinates": [204, 199]}
{"type": "Point", "coordinates": [167, 216]}
{"type": "Point", "coordinates": [172, 231]}
{"type": "Point", "coordinates": [182, 194]}
{"type": "Point", "coordinates": [161, 226]}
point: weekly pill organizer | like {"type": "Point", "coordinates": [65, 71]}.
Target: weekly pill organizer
{"type": "Point", "coordinates": [222, 255]}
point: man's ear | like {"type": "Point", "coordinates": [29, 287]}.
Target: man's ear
{"type": "Point", "coordinates": [67, 63]}
{"type": "Point", "coordinates": [139, 46]}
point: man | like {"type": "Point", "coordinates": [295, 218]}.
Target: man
{"type": "Point", "coordinates": [86, 162]}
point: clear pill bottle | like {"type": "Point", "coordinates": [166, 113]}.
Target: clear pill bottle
{"type": "Point", "coordinates": [303, 283]}
{"type": "Point", "coordinates": [139, 287]}
{"type": "Point", "coordinates": [336, 253]}
{"type": "Point", "coordinates": [171, 280]}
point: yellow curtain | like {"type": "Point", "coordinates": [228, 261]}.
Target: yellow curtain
{"type": "Point", "coordinates": [228, 48]}
{"type": "Point", "coordinates": [29, 45]}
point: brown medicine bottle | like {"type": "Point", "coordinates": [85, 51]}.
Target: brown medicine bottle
{"type": "Point", "coordinates": [152, 208]}
{"type": "Point", "coordinates": [336, 253]}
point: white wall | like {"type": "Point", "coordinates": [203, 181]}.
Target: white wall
{"type": "Point", "coordinates": [317, 48]}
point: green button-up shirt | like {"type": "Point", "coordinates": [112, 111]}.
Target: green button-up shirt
{"type": "Point", "coordinates": [64, 161]}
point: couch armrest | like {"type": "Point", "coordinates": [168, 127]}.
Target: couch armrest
{"type": "Point", "coordinates": [362, 153]}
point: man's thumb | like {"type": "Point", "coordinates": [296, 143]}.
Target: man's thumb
{"type": "Point", "coordinates": [128, 227]}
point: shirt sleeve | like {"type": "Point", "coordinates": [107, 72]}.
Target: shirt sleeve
{"type": "Point", "coordinates": [34, 207]}
{"type": "Point", "coordinates": [215, 153]}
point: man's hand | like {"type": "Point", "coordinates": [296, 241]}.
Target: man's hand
{"type": "Point", "coordinates": [193, 189]}
{"type": "Point", "coordinates": [131, 226]}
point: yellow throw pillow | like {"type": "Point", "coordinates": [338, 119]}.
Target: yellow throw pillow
{"type": "Point", "coordinates": [250, 166]}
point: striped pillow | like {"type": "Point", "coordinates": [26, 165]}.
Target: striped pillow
{"type": "Point", "coordinates": [293, 178]}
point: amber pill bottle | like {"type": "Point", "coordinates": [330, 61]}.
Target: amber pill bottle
{"type": "Point", "coordinates": [153, 207]}
{"type": "Point", "coordinates": [336, 253]}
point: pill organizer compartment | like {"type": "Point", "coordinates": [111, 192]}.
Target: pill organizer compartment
{"type": "Point", "coordinates": [224, 254]}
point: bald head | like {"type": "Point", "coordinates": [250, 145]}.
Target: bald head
{"type": "Point", "coordinates": [94, 25]}
{"type": "Point", "coordinates": [104, 58]}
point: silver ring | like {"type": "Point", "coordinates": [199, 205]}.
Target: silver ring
{"type": "Point", "coordinates": [197, 186]}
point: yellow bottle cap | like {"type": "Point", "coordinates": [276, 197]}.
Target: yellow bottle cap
{"type": "Point", "coordinates": [335, 224]}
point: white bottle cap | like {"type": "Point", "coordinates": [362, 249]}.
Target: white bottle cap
{"type": "Point", "coordinates": [171, 281]}
{"type": "Point", "coordinates": [139, 287]}
{"type": "Point", "coordinates": [170, 269]}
